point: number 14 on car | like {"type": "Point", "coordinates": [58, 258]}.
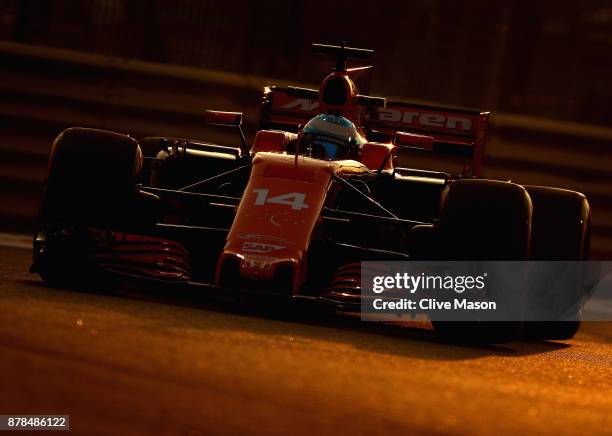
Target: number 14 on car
{"type": "Point", "coordinates": [294, 199]}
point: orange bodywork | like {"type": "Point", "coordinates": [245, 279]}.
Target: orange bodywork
{"type": "Point", "coordinates": [272, 140]}
{"type": "Point", "coordinates": [375, 155]}
{"type": "Point", "coordinates": [278, 212]}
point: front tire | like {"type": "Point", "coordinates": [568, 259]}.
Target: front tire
{"type": "Point", "coordinates": [484, 220]}
{"type": "Point", "coordinates": [92, 177]}
{"type": "Point", "coordinates": [91, 182]}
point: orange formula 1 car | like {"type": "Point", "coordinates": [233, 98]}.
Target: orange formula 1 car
{"type": "Point", "coordinates": [293, 214]}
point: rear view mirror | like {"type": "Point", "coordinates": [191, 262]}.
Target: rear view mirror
{"type": "Point", "coordinates": [230, 119]}
{"type": "Point", "coordinates": [219, 118]}
{"type": "Point", "coordinates": [413, 140]}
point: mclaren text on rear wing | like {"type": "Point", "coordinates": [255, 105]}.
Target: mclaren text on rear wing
{"type": "Point", "coordinates": [455, 131]}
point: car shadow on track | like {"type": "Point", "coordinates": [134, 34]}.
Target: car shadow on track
{"type": "Point", "coordinates": [199, 312]}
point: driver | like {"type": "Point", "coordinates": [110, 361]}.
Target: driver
{"type": "Point", "coordinates": [330, 137]}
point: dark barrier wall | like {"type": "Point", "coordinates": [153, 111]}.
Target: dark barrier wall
{"type": "Point", "coordinates": [546, 57]}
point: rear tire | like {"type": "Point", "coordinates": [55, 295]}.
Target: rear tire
{"type": "Point", "coordinates": [551, 330]}
{"type": "Point", "coordinates": [561, 232]}
{"type": "Point", "coordinates": [484, 220]}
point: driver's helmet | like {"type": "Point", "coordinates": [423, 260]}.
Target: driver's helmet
{"type": "Point", "coordinates": [330, 137]}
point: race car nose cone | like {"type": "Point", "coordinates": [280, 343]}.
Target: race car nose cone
{"type": "Point", "coordinates": [257, 272]}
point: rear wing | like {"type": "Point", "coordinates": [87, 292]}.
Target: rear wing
{"type": "Point", "coordinates": [459, 132]}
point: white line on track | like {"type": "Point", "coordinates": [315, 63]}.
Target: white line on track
{"type": "Point", "coordinates": [15, 241]}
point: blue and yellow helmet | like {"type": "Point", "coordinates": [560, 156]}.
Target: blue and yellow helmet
{"type": "Point", "coordinates": [330, 137]}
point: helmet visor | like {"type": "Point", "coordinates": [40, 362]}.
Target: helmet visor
{"type": "Point", "coordinates": [328, 147]}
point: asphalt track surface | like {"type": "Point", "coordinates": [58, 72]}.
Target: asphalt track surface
{"type": "Point", "coordinates": [132, 364]}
